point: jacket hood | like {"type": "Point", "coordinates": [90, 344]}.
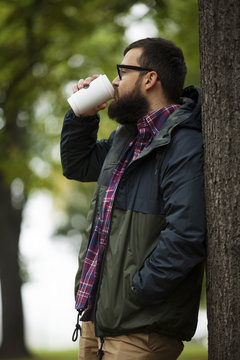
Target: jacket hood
{"type": "Point", "coordinates": [188, 115]}
{"type": "Point", "coordinates": [191, 105]}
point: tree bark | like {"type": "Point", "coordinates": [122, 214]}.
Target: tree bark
{"type": "Point", "coordinates": [13, 344]}
{"type": "Point", "coordinates": [219, 23]}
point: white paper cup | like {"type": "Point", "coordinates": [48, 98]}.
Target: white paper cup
{"type": "Point", "coordinates": [99, 91]}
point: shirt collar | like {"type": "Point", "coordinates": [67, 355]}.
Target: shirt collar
{"type": "Point", "coordinates": [155, 121]}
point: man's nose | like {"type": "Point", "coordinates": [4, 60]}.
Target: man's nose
{"type": "Point", "coordinates": [115, 82]}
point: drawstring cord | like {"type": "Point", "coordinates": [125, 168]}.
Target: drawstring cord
{"type": "Point", "coordinates": [77, 327]}
{"type": "Point", "coordinates": [100, 352]}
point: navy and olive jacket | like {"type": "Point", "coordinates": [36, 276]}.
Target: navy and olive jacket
{"type": "Point", "coordinates": [153, 265]}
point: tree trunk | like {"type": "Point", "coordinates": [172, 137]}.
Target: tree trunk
{"type": "Point", "coordinates": [219, 23]}
{"type": "Point", "coordinates": [13, 344]}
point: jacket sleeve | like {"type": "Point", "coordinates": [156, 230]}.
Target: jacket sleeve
{"type": "Point", "coordinates": [181, 245]}
{"type": "Point", "coordinates": [82, 155]}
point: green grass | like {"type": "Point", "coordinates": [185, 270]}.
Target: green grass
{"type": "Point", "coordinates": [191, 352]}
{"type": "Point", "coordinates": [63, 355]}
{"type": "Point", "coordinates": [49, 355]}
{"type": "Point", "coordinates": [194, 352]}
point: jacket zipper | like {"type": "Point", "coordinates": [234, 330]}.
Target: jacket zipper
{"type": "Point", "coordinates": [101, 273]}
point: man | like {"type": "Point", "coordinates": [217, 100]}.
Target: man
{"type": "Point", "coordinates": [141, 259]}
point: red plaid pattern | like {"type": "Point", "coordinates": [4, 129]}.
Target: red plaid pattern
{"type": "Point", "coordinates": [148, 127]}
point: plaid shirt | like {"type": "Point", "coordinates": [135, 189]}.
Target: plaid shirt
{"type": "Point", "coordinates": [148, 127]}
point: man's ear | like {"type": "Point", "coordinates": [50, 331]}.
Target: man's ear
{"type": "Point", "coordinates": [151, 79]}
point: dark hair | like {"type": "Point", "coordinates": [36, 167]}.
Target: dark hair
{"type": "Point", "coordinates": [167, 60]}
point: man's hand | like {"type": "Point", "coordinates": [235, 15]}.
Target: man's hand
{"type": "Point", "coordinates": [85, 83]}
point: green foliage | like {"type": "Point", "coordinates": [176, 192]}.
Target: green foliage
{"type": "Point", "coordinates": [44, 46]}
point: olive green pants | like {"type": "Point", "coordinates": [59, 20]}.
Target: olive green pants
{"type": "Point", "coordinates": [137, 346]}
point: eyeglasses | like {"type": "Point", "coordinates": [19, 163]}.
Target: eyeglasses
{"type": "Point", "coordinates": [130, 67]}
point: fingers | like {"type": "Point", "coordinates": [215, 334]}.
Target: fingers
{"type": "Point", "coordinates": [84, 83]}
{"type": "Point", "coordinates": [95, 110]}
{"type": "Point", "coordinates": [102, 106]}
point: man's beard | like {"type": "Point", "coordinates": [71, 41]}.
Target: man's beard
{"type": "Point", "coordinates": [129, 108]}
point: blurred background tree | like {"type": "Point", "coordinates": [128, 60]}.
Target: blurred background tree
{"type": "Point", "coordinates": [46, 46]}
